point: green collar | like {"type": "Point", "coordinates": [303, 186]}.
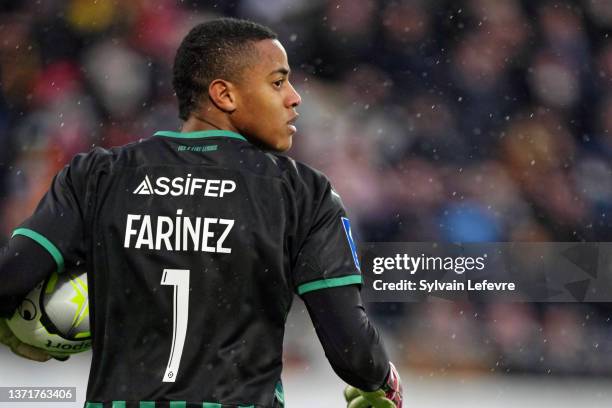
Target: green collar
{"type": "Point", "coordinates": [201, 134]}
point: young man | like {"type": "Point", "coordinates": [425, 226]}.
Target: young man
{"type": "Point", "coordinates": [196, 241]}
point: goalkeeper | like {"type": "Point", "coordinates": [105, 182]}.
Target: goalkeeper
{"type": "Point", "coordinates": [230, 227]}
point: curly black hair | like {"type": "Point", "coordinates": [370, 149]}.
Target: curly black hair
{"type": "Point", "coordinates": [220, 48]}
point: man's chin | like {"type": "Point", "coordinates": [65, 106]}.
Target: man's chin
{"type": "Point", "coordinates": [279, 145]}
{"type": "Point", "coordinates": [283, 145]}
{"type": "Point", "coordinates": [288, 144]}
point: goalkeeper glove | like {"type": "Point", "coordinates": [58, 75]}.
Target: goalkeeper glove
{"type": "Point", "coordinates": [388, 396]}
{"type": "Point", "coordinates": [18, 347]}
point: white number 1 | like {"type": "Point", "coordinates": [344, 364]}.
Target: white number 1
{"type": "Point", "coordinates": [179, 278]}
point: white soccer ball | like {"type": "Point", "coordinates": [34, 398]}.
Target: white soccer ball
{"type": "Point", "coordinates": [54, 316]}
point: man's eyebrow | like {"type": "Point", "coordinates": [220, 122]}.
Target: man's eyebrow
{"type": "Point", "coordinates": [283, 70]}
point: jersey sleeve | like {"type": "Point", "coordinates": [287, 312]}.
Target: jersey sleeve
{"type": "Point", "coordinates": [328, 256]}
{"type": "Point", "coordinates": [351, 343]}
{"type": "Point", "coordinates": [58, 223]}
{"type": "Point", "coordinates": [23, 264]}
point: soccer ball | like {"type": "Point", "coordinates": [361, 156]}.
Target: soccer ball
{"type": "Point", "coordinates": [54, 316]}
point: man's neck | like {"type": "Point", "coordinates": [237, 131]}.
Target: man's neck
{"type": "Point", "coordinates": [197, 123]}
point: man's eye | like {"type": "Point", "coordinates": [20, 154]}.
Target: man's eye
{"type": "Point", "coordinates": [278, 84]}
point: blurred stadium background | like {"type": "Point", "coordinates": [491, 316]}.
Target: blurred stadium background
{"type": "Point", "coordinates": [479, 120]}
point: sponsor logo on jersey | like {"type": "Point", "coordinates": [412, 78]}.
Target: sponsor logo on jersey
{"type": "Point", "coordinates": [349, 235]}
{"type": "Point", "coordinates": [185, 186]}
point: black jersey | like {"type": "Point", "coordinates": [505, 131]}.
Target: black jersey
{"type": "Point", "coordinates": [195, 244]}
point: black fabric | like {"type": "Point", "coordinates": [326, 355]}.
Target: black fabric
{"type": "Point", "coordinates": [325, 253]}
{"type": "Point", "coordinates": [188, 404]}
{"type": "Point", "coordinates": [352, 344]}
{"type": "Point", "coordinates": [276, 226]}
{"type": "Point", "coordinates": [23, 265]}
{"type": "Point", "coordinates": [61, 215]}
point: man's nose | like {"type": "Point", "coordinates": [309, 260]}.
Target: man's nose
{"type": "Point", "coordinates": [294, 98]}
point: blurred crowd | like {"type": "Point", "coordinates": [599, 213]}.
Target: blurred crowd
{"type": "Point", "coordinates": [479, 120]}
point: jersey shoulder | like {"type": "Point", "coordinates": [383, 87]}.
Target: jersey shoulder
{"type": "Point", "coordinates": [301, 177]}
{"type": "Point", "coordinates": [86, 166]}
{"type": "Point", "coordinates": [98, 158]}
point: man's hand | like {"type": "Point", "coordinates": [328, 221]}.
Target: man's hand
{"type": "Point", "coordinates": [18, 347]}
{"type": "Point", "coordinates": [389, 396]}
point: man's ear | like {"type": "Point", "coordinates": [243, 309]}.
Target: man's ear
{"type": "Point", "coordinates": [222, 94]}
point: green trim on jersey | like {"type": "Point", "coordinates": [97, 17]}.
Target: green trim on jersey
{"type": "Point", "coordinates": [279, 392]}
{"type": "Point", "coordinates": [152, 404]}
{"type": "Point", "coordinates": [45, 243]}
{"type": "Point", "coordinates": [329, 283]}
{"type": "Point", "coordinates": [201, 134]}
